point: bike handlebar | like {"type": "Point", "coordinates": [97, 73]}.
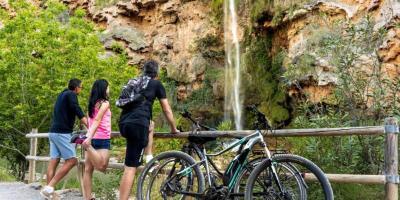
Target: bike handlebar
{"type": "Point", "coordinates": [186, 114]}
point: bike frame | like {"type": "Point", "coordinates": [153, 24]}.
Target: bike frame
{"type": "Point", "coordinates": [247, 144]}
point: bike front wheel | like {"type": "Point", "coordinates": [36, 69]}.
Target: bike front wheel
{"type": "Point", "coordinates": [170, 175]}
{"type": "Point", "coordinates": [268, 182]}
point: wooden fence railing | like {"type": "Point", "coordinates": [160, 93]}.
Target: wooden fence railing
{"type": "Point", "coordinates": [390, 178]}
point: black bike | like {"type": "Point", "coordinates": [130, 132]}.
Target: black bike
{"type": "Point", "coordinates": [177, 175]}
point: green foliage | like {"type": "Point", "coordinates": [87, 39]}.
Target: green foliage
{"type": "Point", "coordinates": [105, 185]}
{"type": "Point", "coordinates": [300, 69]}
{"type": "Point", "coordinates": [209, 47]}
{"type": "Point", "coordinates": [362, 97]}
{"type": "Point", "coordinates": [41, 50]}
{"type": "Point", "coordinates": [274, 10]}
{"type": "Point", "coordinates": [217, 11]}
{"type": "Point", "coordinates": [258, 8]}
{"type": "Point", "coordinates": [5, 172]}
{"type": "Point", "coordinates": [225, 126]}
{"type": "Point", "coordinates": [264, 73]}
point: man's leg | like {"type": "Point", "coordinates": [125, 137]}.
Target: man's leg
{"type": "Point", "coordinates": [51, 169]}
{"type": "Point", "coordinates": [148, 151]}
{"type": "Point", "coordinates": [126, 182]}
{"type": "Point", "coordinates": [67, 152]}
{"type": "Point", "coordinates": [54, 156]}
{"type": "Point", "coordinates": [67, 166]}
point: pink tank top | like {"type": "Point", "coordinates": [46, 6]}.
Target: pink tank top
{"type": "Point", "coordinates": [104, 129]}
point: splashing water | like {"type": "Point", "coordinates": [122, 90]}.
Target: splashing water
{"type": "Point", "coordinates": [233, 101]}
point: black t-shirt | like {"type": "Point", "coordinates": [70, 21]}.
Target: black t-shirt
{"type": "Point", "coordinates": [66, 109]}
{"type": "Point", "coordinates": [141, 113]}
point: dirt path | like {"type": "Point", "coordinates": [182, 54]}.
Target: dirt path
{"type": "Point", "coordinates": [18, 190]}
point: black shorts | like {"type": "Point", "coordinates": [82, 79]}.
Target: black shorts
{"type": "Point", "coordinates": [101, 144]}
{"type": "Point", "coordinates": [137, 137]}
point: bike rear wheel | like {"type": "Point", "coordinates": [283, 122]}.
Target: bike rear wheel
{"type": "Point", "coordinates": [262, 184]}
{"type": "Point", "coordinates": [170, 175]}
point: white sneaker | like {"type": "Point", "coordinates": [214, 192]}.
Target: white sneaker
{"type": "Point", "coordinates": [148, 158]}
{"type": "Point", "coordinates": [47, 192]}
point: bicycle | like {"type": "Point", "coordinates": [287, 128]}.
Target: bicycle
{"type": "Point", "coordinates": [184, 178]}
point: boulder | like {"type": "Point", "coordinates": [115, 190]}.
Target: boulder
{"type": "Point", "coordinates": [134, 38]}
{"type": "Point", "coordinates": [162, 43]}
{"type": "Point", "coordinates": [144, 3]}
{"type": "Point", "coordinates": [4, 4]}
{"type": "Point", "coordinates": [106, 55]}
{"type": "Point", "coordinates": [187, 72]}
{"type": "Point", "coordinates": [127, 9]}
{"type": "Point", "coordinates": [170, 7]}
{"type": "Point", "coordinates": [135, 59]}
{"type": "Point", "coordinates": [181, 92]}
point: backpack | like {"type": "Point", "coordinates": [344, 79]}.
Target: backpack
{"type": "Point", "coordinates": [132, 91]}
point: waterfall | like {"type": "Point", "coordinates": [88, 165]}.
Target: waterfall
{"type": "Point", "coordinates": [233, 101]}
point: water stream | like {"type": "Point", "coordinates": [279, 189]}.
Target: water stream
{"type": "Point", "coordinates": [233, 100]}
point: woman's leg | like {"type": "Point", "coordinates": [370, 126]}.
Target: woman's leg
{"type": "Point", "coordinates": [99, 157]}
{"type": "Point", "coordinates": [105, 157]}
{"type": "Point", "coordinates": [87, 179]}
{"type": "Point", "coordinates": [94, 157]}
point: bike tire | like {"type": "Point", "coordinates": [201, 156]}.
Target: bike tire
{"type": "Point", "coordinates": [294, 160]}
{"type": "Point", "coordinates": [164, 156]}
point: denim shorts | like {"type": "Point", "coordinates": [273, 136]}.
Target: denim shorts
{"type": "Point", "coordinates": [60, 146]}
{"type": "Point", "coordinates": [101, 144]}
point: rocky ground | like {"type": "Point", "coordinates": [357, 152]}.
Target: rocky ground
{"type": "Point", "coordinates": [18, 190]}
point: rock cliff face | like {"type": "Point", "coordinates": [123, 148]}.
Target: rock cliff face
{"type": "Point", "coordinates": [294, 31]}
{"type": "Point", "coordinates": [169, 31]}
{"type": "Point", "coordinates": [164, 30]}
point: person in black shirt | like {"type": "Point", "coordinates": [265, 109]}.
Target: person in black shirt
{"type": "Point", "coordinates": [134, 125]}
{"type": "Point", "coordinates": [66, 109]}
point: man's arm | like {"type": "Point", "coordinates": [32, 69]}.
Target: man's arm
{"type": "Point", "coordinates": [168, 114]}
{"type": "Point", "coordinates": [74, 105]}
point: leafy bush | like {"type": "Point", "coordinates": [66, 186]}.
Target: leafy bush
{"type": "Point", "coordinates": [263, 86]}
{"type": "Point", "coordinates": [357, 100]}
{"type": "Point", "coordinates": [41, 50]}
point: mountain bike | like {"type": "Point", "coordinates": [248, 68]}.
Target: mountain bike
{"type": "Point", "coordinates": [177, 175]}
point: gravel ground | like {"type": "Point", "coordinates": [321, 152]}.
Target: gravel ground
{"type": "Point", "coordinates": [18, 190]}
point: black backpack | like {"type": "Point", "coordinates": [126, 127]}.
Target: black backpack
{"type": "Point", "coordinates": [132, 91]}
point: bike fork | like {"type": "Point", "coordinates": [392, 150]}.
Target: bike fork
{"type": "Point", "coordinates": [273, 169]}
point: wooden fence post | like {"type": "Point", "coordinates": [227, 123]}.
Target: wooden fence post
{"type": "Point", "coordinates": [32, 152]}
{"type": "Point", "coordinates": [81, 171]}
{"type": "Point", "coordinates": [391, 158]}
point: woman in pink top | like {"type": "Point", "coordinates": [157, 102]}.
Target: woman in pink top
{"type": "Point", "coordinates": [97, 143]}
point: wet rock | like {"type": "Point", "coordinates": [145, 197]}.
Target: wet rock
{"type": "Point", "coordinates": [218, 89]}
